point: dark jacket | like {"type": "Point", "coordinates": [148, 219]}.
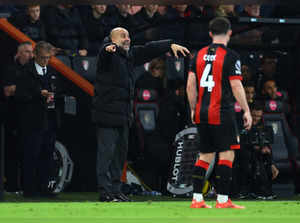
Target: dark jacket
{"type": "Point", "coordinates": [32, 106]}
{"type": "Point", "coordinates": [115, 80]}
{"type": "Point", "coordinates": [35, 31]}
{"type": "Point", "coordinates": [64, 28]}
{"type": "Point", "coordinates": [11, 72]}
{"type": "Point", "coordinates": [148, 29]}
{"type": "Point", "coordinates": [96, 28]}
{"type": "Point", "coordinates": [9, 108]}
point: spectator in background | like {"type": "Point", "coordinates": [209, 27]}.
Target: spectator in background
{"type": "Point", "coordinates": [123, 18]}
{"type": "Point", "coordinates": [250, 92]}
{"type": "Point", "coordinates": [175, 28]}
{"type": "Point", "coordinates": [198, 30]}
{"type": "Point", "coordinates": [162, 9]}
{"type": "Point", "coordinates": [148, 15]}
{"type": "Point", "coordinates": [270, 91]}
{"type": "Point", "coordinates": [134, 9]}
{"type": "Point", "coordinates": [247, 73]}
{"type": "Point", "coordinates": [98, 22]}
{"type": "Point", "coordinates": [155, 78]}
{"type": "Point", "coordinates": [29, 23]}
{"type": "Point", "coordinates": [226, 11]}
{"type": "Point", "coordinates": [65, 30]}
{"type": "Point", "coordinates": [251, 11]}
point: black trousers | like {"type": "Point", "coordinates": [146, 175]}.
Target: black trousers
{"type": "Point", "coordinates": [38, 163]}
{"type": "Point", "coordinates": [112, 151]}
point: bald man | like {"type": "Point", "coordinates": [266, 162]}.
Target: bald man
{"type": "Point", "coordinates": [112, 104]}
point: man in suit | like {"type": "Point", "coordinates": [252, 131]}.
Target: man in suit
{"type": "Point", "coordinates": [10, 73]}
{"type": "Point", "coordinates": [34, 96]}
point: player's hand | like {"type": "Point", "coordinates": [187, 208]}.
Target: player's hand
{"type": "Point", "coordinates": [111, 48]}
{"type": "Point", "coordinates": [247, 120]}
{"type": "Point", "coordinates": [275, 171]}
{"type": "Point", "coordinates": [177, 48]}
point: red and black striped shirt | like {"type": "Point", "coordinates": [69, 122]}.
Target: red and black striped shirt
{"type": "Point", "coordinates": [214, 66]}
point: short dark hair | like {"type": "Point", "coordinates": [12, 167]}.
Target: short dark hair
{"type": "Point", "coordinates": [267, 80]}
{"type": "Point", "coordinates": [219, 26]}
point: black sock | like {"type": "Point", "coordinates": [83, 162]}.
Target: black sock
{"type": "Point", "coordinates": [224, 177]}
{"type": "Point", "coordinates": [198, 175]}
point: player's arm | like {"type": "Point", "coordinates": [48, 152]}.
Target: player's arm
{"type": "Point", "coordinates": [192, 92]}
{"type": "Point", "coordinates": [239, 94]}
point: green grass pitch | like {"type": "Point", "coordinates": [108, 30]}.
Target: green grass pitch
{"type": "Point", "coordinates": [84, 208]}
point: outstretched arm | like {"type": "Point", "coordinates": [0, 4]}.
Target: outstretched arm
{"type": "Point", "coordinates": [151, 50]}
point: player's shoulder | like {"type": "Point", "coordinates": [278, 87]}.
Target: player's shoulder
{"type": "Point", "coordinates": [203, 49]}
{"type": "Point", "coordinates": [232, 53]}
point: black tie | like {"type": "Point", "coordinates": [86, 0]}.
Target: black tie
{"type": "Point", "coordinates": [45, 79]}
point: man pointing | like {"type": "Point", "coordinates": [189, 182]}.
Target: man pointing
{"type": "Point", "coordinates": [112, 109]}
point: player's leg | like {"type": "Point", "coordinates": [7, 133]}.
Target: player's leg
{"type": "Point", "coordinates": [227, 141]}
{"type": "Point", "coordinates": [200, 168]}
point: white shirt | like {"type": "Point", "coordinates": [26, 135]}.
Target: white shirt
{"type": "Point", "coordinates": [39, 69]}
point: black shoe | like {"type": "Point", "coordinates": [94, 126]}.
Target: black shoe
{"type": "Point", "coordinates": [108, 197]}
{"type": "Point", "coordinates": [122, 197]}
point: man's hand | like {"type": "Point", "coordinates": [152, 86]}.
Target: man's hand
{"type": "Point", "coordinates": [275, 171]}
{"type": "Point", "coordinates": [9, 90]}
{"type": "Point", "coordinates": [45, 93]}
{"type": "Point", "coordinates": [177, 48]}
{"type": "Point", "coordinates": [247, 120]}
{"type": "Point", "coordinates": [82, 52]}
{"type": "Point", "coordinates": [266, 150]}
{"type": "Point", "coordinates": [111, 48]}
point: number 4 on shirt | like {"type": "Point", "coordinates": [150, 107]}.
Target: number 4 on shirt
{"type": "Point", "coordinates": [207, 80]}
